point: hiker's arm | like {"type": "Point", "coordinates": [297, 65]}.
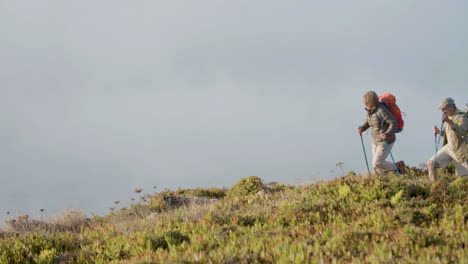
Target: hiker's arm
{"type": "Point", "coordinates": [365, 126]}
{"type": "Point", "coordinates": [391, 121]}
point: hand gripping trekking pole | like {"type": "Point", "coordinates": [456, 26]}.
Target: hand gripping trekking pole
{"type": "Point", "coordinates": [437, 145]}
{"type": "Point", "coordinates": [393, 160]}
{"type": "Point", "coordinates": [365, 156]}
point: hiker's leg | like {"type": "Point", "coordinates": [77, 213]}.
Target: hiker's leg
{"type": "Point", "coordinates": [431, 169]}
{"type": "Point", "coordinates": [461, 169]}
{"type": "Point", "coordinates": [381, 153]}
{"type": "Point", "coordinates": [376, 159]}
{"type": "Point", "coordinates": [374, 154]}
{"type": "Point", "coordinates": [443, 158]}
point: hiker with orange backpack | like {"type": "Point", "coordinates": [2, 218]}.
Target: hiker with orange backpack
{"type": "Point", "coordinates": [455, 133]}
{"type": "Point", "coordinates": [384, 125]}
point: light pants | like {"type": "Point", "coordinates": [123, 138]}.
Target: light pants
{"type": "Point", "coordinates": [445, 155]}
{"type": "Point", "coordinates": [379, 154]}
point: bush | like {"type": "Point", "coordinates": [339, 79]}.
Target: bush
{"type": "Point", "coordinates": [415, 190]}
{"type": "Point", "coordinates": [212, 193]}
{"type": "Point", "coordinates": [71, 220]}
{"type": "Point", "coordinates": [354, 219]}
{"type": "Point", "coordinates": [412, 216]}
{"type": "Point", "coordinates": [450, 169]}
{"type": "Point", "coordinates": [157, 203]}
{"type": "Point", "coordinates": [246, 186]}
{"type": "Point", "coordinates": [174, 238]}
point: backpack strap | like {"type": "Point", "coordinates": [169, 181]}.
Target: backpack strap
{"type": "Point", "coordinates": [379, 116]}
{"type": "Point", "coordinates": [462, 113]}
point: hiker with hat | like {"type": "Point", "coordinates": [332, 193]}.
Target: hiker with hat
{"type": "Point", "coordinates": [454, 131]}
{"type": "Point", "coordinates": [384, 126]}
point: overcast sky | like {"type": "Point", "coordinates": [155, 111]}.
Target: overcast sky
{"type": "Point", "coordinates": [101, 97]}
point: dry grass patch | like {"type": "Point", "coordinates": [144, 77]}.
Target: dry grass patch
{"type": "Point", "coordinates": [71, 220]}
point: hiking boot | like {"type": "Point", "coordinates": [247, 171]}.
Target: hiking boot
{"type": "Point", "coordinates": [401, 167]}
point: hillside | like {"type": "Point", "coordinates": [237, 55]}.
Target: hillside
{"type": "Point", "coordinates": [351, 219]}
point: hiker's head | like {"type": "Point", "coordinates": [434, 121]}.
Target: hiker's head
{"type": "Point", "coordinates": [448, 105]}
{"type": "Point", "coordinates": [371, 100]}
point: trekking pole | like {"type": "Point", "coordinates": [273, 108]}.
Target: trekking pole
{"type": "Point", "coordinates": [365, 156]}
{"type": "Point", "coordinates": [435, 148]}
{"type": "Point", "coordinates": [437, 144]}
{"type": "Point", "coordinates": [393, 160]}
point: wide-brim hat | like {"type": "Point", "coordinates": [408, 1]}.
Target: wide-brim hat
{"type": "Point", "coordinates": [445, 102]}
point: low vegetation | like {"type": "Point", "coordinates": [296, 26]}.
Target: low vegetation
{"type": "Point", "coordinates": [353, 219]}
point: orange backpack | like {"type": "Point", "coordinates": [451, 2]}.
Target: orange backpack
{"type": "Point", "coordinates": [390, 101]}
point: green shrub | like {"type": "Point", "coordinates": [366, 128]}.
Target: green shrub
{"type": "Point", "coordinates": [158, 242]}
{"type": "Point", "coordinates": [174, 238]}
{"type": "Point", "coordinates": [450, 169]}
{"type": "Point", "coordinates": [352, 219]}
{"type": "Point", "coordinates": [412, 216]}
{"type": "Point", "coordinates": [397, 197]}
{"type": "Point", "coordinates": [246, 221]}
{"type": "Point", "coordinates": [246, 186]}
{"type": "Point", "coordinates": [212, 193]}
{"type": "Point", "coordinates": [157, 203]}
{"type": "Point", "coordinates": [415, 190]}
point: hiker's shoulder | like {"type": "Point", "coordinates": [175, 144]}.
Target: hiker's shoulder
{"type": "Point", "coordinates": [383, 109]}
{"type": "Point", "coordinates": [461, 115]}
